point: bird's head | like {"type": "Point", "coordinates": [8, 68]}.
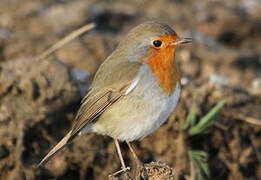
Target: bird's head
{"type": "Point", "coordinates": [154, 45]}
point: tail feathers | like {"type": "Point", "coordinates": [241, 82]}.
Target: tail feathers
{"type": "Point", "coordinates": [56, 148]}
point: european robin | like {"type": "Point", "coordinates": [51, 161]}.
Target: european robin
{"type": "Point", "coordinates": [134, 90]}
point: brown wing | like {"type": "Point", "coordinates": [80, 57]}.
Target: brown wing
{"type": "Point", "coordinates": [93, 106]}
{"type": "Point", "coordinates": [107, 89]}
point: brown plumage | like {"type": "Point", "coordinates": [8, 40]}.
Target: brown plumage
{"type": "Point", "coordinates": [97, 101]}
{"type": "Point", "coordinates": [133, 91]}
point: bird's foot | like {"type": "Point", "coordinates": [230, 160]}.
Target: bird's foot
{"type": "Point", "coordinates": [123, 170]}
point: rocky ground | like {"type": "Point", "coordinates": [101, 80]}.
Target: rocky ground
{"type": "Point", "coordinates": [39, 99]}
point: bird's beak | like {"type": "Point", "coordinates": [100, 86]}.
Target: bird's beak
{"type": "Point", "coordinates": [182, 41]}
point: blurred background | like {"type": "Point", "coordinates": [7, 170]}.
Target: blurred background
{"type": "Point", "coordinates": [38, 100]}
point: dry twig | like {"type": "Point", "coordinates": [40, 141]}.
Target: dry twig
{"type": "Point", "coordinates": [65, 40]}
{"type": "Point", "coordinates": [247, 119]}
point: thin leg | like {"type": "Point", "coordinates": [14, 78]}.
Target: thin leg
{"type": "Point", "coordinates": [134, 154]}
{"type": "Point", "coordinates": [123, 166]}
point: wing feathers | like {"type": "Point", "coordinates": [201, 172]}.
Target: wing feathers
{"type": "Point", "coordinates": [56, 148]}
{"type": "Point", "coordinates": [107, 89]}
{"type": "Point", "coordinates": [90, 111]}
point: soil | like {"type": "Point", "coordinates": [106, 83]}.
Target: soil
{"type": "Point", "coordinates": [39, 99]}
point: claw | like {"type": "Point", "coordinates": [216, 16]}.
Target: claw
{"type": "Point", "coordinates": [120, 171]}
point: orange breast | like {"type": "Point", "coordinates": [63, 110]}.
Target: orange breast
{"type": "Point", "coordinates": [164, 68]}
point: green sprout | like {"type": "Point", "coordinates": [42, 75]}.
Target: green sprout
{"type": "Point", "coordinates": [191, 120]}
{"type": "Point", "coordinates": [193, 127]}
{"type": "Point", "coordinates": [199, 169]}
{"type": "Point", "coordinates": [198, 165]}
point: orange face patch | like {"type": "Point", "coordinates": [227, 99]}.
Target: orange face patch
{"type": "Point", "coordinates": [161, 62]}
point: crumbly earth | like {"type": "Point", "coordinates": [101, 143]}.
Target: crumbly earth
{"type": "Point", "coordinates": [38, 100]}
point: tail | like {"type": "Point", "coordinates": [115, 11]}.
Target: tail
{"type": "Point", "coordinates": [56, 148]}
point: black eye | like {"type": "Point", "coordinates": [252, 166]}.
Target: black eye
{"type": "Point", "coordinates": [157, 43]}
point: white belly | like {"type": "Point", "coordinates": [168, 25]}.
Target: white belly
{"type": "Point", "coordinates": [152, 114]}
{"type": "Point", "coordinates": [139, 113]}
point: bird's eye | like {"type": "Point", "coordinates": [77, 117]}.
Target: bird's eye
{"type": "Point", "coordinates": [157, 43]}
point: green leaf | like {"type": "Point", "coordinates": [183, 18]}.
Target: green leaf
{"type": "Point", "coordinates": [191, 120]}
{"type": "Point", "coordinates": [199, 166]}
{"type": "Point", "coordinates": [206, 121]}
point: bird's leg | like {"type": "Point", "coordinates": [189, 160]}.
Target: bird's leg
{"type": "Point", "coordinates": [123, 166]}
{"type": "Point", "coordinates": [139, 163]}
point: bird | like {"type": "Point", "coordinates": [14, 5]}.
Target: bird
{"type": "Point", "coordinates": [133, 91]}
